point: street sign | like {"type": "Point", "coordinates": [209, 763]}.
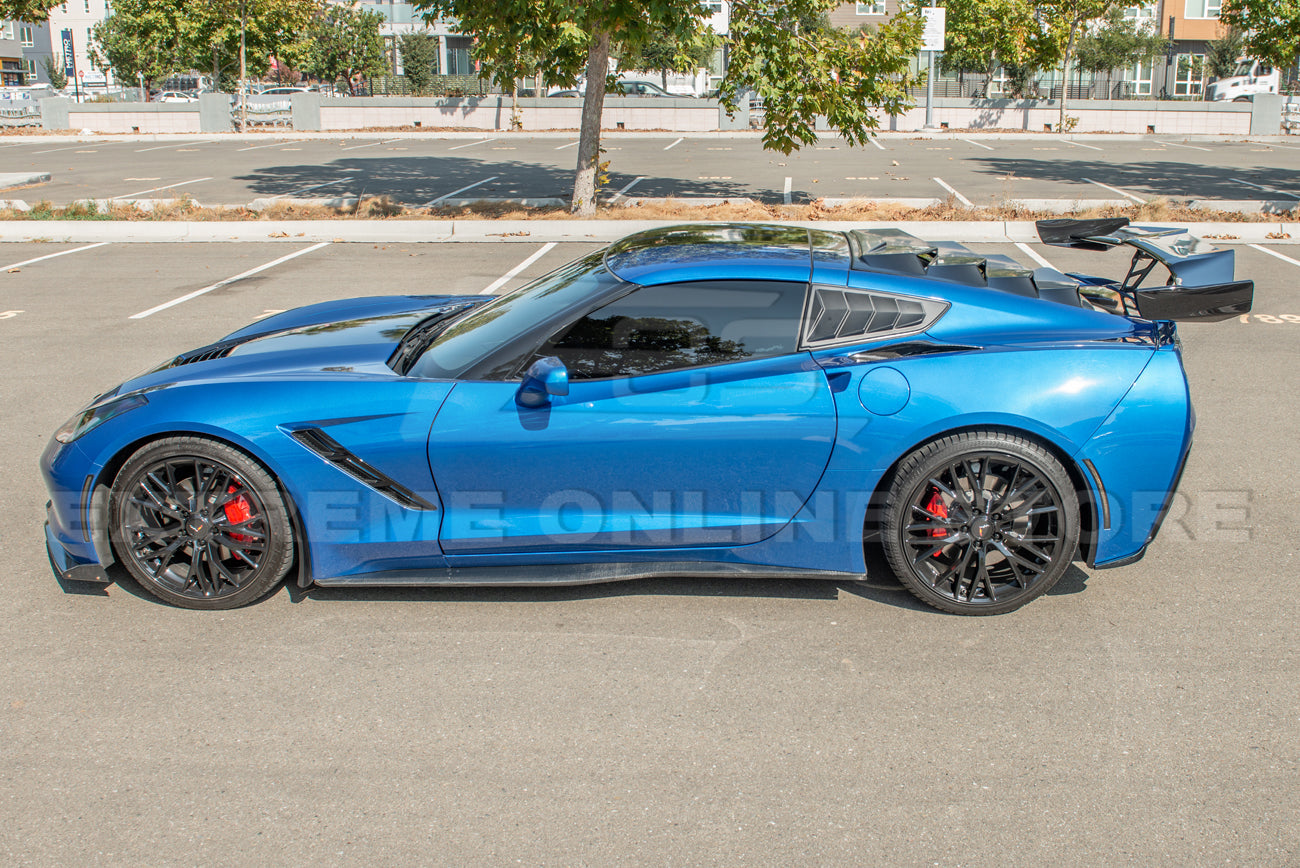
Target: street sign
{"type": "Point", "coordinates": [69, 55]}
{"type": "Point", "coordinates": [935, 24]}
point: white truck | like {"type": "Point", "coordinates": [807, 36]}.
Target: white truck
{"type": "Point", "coordinates": [1249, 78]}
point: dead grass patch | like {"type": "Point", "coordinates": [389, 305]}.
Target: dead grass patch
{"type": "Point", "coordinates": [384, 208]}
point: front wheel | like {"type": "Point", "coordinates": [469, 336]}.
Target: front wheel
{"type": "Point", "coordinates": [981, 522]}
{"type": "Point", "coordinates": [199, 524]}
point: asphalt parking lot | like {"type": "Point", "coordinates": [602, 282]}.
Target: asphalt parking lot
{"type": "Point", "coordinates": [423, 170]}
{"type": "Point", "coordinates": [1145, 715]}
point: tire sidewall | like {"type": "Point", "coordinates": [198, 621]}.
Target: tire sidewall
{"type": "Point", "coordinates": [279, 553]}
{"type": "Point", "coordinates": [929, 459]}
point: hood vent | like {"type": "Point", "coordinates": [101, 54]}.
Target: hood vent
{"type": "Point", "coordinates": [219, 350]}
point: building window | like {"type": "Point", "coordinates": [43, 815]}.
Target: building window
{"type": "Point", "coordinates": [876, 7]}
{"type": "Point", "coordinates": [1190, 79]}
{"type": "Point", "coordinates": [1203, 8]}
{"type": "Point", "coordinates": [1138, 77]}
{"type": "Point", "coordinates": [1145, 12]}
{"type": "Point", "coordinates": [7, 30]}
{"type": "Point", "coordinates": [27, 35]}
{"type": "Point", "coordinates": [87, 2]}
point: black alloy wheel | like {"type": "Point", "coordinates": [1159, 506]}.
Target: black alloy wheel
{"type": "Point", "coordinates": [199, 524]}
{"type": "Point", "coordinates": [981, 523]}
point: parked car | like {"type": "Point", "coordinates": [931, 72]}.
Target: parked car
{"type": "Point", "coordinates": [175, 96]}
{"type": "Point", "coordinates": [731, 400]}
{"type": "Point", "coordinates": [282, 91]}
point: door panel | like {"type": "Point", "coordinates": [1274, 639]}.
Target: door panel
{"type": "Point", "coordinates": [717, 455]}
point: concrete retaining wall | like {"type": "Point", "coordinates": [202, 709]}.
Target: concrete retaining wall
{"type": "Point", "coordinates": [1095, 116]}
{"type": "Point", "coordinates": [491, 113]}
{"type": "Point", "coordinates": [310, 111]}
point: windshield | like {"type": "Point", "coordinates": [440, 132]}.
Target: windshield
{"type": "Point", "coordinates": [482, 332]}
{"type": "Point", "coordinates": [1244, 68]}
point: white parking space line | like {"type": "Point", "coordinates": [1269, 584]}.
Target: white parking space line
{"type": "Point", "coordinates": [229, 280]}
{"type": "Point", "coordinates": [875, 141]}
{"type": "Point", "coordinates": [619, 195]}
{"type": "Point", "coordinates": [156, 189]}
{"type": "Point", "coordinates": [1078, 145]}
{"type": "Point", "coordinates": [569, 145]}
{"type": "Point", "coordinates": [1137, 199]}
{"type": "Point", "coordinates": [179, 145]}
{"type": "Point", "coordinates": [675, 144]}
{"type": "Point", "coordinates": [501, 281]}
{"type": "Point", "coordinates": [1177, 145]}
{"type": "Point", "coordinates": [433, 202]}
{"type": "Point", "coordinates": [75, 147]}
{"type": "Point", "coordinates": [53, 255]}
{"type": "Point", "coordinates": [370, 145]}
{"type": "Point", "coordinates": [785, 197]}
{"type": "Point", "coordinates": [1274, 253]}
{"type": "Point", "coordinates": [312, 187]}
{"type": "Point", "coordinates": [1273, 145]}
{"type": "Point", "coordinates": [1032, 254]}
{"type": "Point", "coordinates": [960, 198]}
{"type": "Point", "coordinates": [1267, 189]}
{"type": "Point", "coordinates": [272, 145]}
{"type": "Point", "coordinates": [472, 144]}
{"type": "Point", "coordinates": [977, 144]}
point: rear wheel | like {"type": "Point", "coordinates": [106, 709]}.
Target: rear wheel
{"type": "Point", "coordinates": [200, 524]}
{"type": "Point", "coordinates": [981, 522]}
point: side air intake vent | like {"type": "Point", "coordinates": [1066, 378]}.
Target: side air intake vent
{"type": "Point", "coordinates": [838, 315]}
{"type": "Point", "coordinates": [337, 454]}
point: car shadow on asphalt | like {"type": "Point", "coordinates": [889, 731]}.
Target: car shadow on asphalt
{"type": "Point", "coordinates": [879, 586]}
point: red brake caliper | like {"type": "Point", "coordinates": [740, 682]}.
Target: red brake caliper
{"type": "Point", "coordinates": [237, 511]}
{"type": "Point", "coordinates": [937, 507]}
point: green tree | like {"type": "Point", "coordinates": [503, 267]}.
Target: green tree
{"type": "Point", "coordinates": [1066, 22]}
{"type": "Point", "coordinates": [54, 71]}
{"type": "Point", "coordinates": [665, 54]}
{"type": "Point", "coordinates": [1221, 54]}
{"type": "Point", "coordinates": [801, 73]}
{"type": "Point", "coordinates": [34, 11]}
{"type": "Point", "coordinates": [1271, 28]}
{"type": "Point", "coordinates": [142, 39]}
{"type": "Point", "coordinates": [343, 42]}
{"type": "Point", "coordinates": [983, 35]}
{"type": "Point", "coordinates": [419, 60]}
{"type": "Point", "coordinates": [213, 34]}
{"type": "Point", "coordinates": [1114, 42]}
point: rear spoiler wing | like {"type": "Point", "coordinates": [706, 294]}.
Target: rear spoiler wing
{"type": "Point", "coordinates": [1200, 284]}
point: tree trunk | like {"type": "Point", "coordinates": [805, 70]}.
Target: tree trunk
{"type": "Point", "coordinates": [1065, 75]}
{"type": "Point", "coordinates": [593, 104]}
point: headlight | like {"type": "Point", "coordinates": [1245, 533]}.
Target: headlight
{"type": "Point", "coordinates": [96, 414]}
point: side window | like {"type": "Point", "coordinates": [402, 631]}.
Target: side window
{"type": "Point", "coordinates": [664, 328]}
{"type": "Point", "coordinates": [838, 316]}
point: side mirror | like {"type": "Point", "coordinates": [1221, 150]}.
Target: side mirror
{"type": "Point", "coordinates": [545, 377]}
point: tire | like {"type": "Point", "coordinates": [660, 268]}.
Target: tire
{"type": "Point", "coordinates": [981, 522]}
{"type": "Point", "coordinates": [200, 524]}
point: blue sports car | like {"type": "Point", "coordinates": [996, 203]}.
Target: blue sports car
{"type": "Point", "coordinates": [700, 400]}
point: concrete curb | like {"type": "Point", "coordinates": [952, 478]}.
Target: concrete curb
{"type": "Point", "coordinates": [22, 179]}
{"type": "Point", "coordinates": [535, 231]}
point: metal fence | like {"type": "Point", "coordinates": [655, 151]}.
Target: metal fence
{"type": "Point", "coordinates": [20, 116]}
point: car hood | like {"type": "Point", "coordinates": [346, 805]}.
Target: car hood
{"type": "Point", "coordinates": [315, 340]}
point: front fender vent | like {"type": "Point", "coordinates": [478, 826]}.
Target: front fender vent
{"type": "Point", "coordinates": [322, 444]}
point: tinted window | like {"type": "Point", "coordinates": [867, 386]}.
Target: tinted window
{"type": "Point", "coordinates": [506, 320]}
{"type": "Point", "coordinates": [662, 328]}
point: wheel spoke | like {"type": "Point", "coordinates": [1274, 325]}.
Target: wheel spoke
{"type": "Point", "coordinates": [930, 552]}
{"type": "Point", "coordinates": [976, 480]}
{"type": "Point", "coordinates": [1014, 559]}
{"type": "Point", "coordinates": [982, 578]}
{"type": "Point", "coordinates": [239, 545]}
{"type": "Point", "coordinates": [214, 560]}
